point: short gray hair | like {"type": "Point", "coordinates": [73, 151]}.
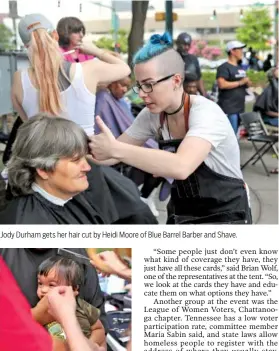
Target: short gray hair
{"type": "Point", "coordinates": [40, 143]}
{"type": "Point", "coordinates": [170, 62]}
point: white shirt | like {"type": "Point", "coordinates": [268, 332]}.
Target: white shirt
{"type": "Point", "coordinates": [206, 121]}
{"type": "Point", "coordinates": [77, 101]}
{"type": "Point", "coordinates": [51, 198]}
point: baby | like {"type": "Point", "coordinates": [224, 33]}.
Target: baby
{"type": "Point", "coordinates": [58, 271]}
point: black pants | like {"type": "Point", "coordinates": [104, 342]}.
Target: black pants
{"type": "Point", "coordinates": [140, 177]}
{"type": "Point", "coordinates": [149, 184]}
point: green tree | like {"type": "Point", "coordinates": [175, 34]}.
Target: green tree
{"type": "Point", "coordinates": [6, 36]}
{"type": "Point", "coordinates": [256, 29]}
{"type": "Point", "coordinates": [107, 42]}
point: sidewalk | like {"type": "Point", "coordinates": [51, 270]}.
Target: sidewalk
{"type": "Point", "coordinates": [263, 189]}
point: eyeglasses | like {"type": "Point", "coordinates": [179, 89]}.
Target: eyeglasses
{"type": "Point", "coordinates": [148, 87]}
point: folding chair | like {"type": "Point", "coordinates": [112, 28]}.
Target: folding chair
{"type": "Point", "coordinates": [271, 130]}
{"type": "Point", "coordinates": [257, 134]}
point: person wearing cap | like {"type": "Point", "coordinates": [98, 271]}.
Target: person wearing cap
{"type": "Point", "coordinates": [232, 83]}
{"type": "Point", "coordinates": [192, 65]}
{"type": "Point", "coordinates": [53, 85]}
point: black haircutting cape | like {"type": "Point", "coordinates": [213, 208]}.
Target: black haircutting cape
{"type": "Point", "coordinates": [110, 198]}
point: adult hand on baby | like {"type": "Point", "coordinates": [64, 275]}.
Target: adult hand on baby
{"type": "Point", "coordinates": [102, 145]}
{"type": "Point", "coordinates": [40, 312]}
{"type": "Point", "coordinates": [61, 303]}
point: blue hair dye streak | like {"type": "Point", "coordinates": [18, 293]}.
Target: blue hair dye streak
{"type": "Point", "coordinates": [156, 45]}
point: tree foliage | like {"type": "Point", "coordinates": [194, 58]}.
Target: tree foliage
{"type": "Point", "coordinates": [256, 30]}
{"type": "Point", "coordinates": [107, 42]}
{"type": "Point", "coordinates": [6, 36]}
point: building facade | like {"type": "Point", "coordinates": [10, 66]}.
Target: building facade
{"type": "Point", "coordinates": [200, 23]}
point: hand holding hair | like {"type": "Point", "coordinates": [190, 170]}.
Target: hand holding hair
{"type": "Point", "coordinates": [102, 145]}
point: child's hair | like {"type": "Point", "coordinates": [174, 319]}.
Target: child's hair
{"type": "Point", "coordinates": [66, 270]}
{"type": "Point", "coordinates": [156, 45]}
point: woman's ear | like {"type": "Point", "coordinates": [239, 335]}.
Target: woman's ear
{"type": "Point", "coordinates": [177, 81]}
{"type": "Point", "coordinates": [42, 174]}
{"type": "Point", "coordinates": [55, 35]}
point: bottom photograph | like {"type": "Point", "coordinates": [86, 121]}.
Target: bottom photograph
{"type": "Point", "coordinates": [65, 299]}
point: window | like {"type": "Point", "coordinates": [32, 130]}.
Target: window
{"type": "Point", "coordinates": [178, 4]}
{"type": "Point", "coordinates": [227, 30]}
{"type": "Point", "coordinates": [122, 6]}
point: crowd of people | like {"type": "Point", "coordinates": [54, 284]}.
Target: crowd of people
{"type": "Point", "coordinates": [73, 185]}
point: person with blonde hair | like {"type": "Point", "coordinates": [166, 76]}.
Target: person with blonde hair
{"type": "Point", "coordinates": [53, 85]}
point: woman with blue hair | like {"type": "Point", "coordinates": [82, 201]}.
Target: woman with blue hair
{"type": "Point", "coordinates": [204, 160]}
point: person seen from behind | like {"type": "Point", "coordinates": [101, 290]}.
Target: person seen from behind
{"type": "Point", "coordinates": [267, 63]}
{"type": "Point", "coordinates": [53, 85]}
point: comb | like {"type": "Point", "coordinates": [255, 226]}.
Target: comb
{"type": "Point", "coordinates": [74, 256]}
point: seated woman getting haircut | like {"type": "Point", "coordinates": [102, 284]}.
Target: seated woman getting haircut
{"type": "Point", "coordinates": [52, 182]}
